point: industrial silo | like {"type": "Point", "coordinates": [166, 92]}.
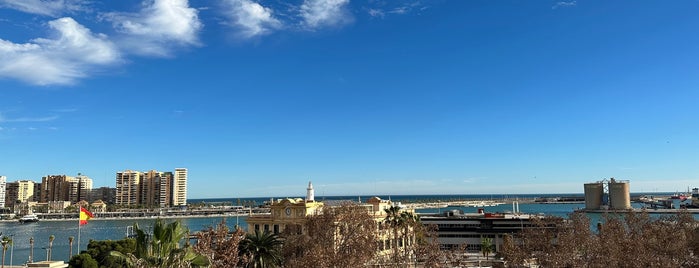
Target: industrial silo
{"type": "Point", "coordinates": [593, 195]}
{"type": "Point", "coordinates": [619, 195]}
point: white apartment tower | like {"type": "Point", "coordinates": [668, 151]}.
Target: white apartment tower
{"type": "Point", "coordinates": [3, 183]}
{"type": "Point", "coordinates": [179, 187]}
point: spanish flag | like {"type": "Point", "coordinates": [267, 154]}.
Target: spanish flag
{"type": "Point", "coordinates": [84, 216]}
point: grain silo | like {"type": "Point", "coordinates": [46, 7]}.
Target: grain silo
{"type": "Point", "coordinates": [594, 192]}
{"type": "Point", "coordinates": [619, 195]}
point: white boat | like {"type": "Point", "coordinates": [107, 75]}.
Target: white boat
{"type": "Point", "coordinates": [29, 218]}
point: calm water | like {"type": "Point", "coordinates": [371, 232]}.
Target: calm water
{"type": "Point", "coordinates": [95, 229]}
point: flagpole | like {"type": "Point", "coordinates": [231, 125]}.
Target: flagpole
{"type": "Point", "coordinates": [80, 209]}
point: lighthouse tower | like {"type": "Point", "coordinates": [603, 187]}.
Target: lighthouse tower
{"type": "Point", "coordinates": [309, 193]}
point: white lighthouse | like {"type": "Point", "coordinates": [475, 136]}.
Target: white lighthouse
{"type": "Point", "coordinates": [309, 192]}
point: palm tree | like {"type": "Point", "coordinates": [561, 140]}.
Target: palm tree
{"type": "Point", "coordinates": [51, 238]}
{"type": "Point", "coordinates": [261, 249]}
{"type": "Point", "coordinates": [163, 248]}
{"type": "Point", "coordinates": [6, 242]}
{"type": "Point", "coordinates": [70, 242]}
{"type": "Point", "coordinates": [31, 249]}
{"type": "Point", "coordinates": [395, 222]}
{"type": "Point", "coordinates": [486, 246]}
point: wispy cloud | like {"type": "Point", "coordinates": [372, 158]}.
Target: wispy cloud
{"type": "Point", "coordinates": [319, 13]}
{"type": "Point", "coordinates": [159, 27]}
{"type": "Point", "coordinates": [375, 12]}
{"type": "Point", "coordinates": [251, 18]}
{"type": "Point", "coordinates": [4, 119]}
{"type": "Point", "coordinates": [52, 8]}
{"type": "Point", "coordinates": [70, 55]}
{"type": "Point", "coordinates": [395, 8]}
{"type": "Point", "coordinates": [562, 4]}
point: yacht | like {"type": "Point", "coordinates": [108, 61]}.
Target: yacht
{"type": "Point", "coordinates": [29, 218]}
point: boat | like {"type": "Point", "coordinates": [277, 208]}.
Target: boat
{"type": "Point", "coordinates": [29, 218]}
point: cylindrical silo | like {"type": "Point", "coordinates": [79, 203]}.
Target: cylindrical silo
{"type": "Point", "coordinates": [619, 195]}
{"type": "Point", "coordinates": [593, 195]}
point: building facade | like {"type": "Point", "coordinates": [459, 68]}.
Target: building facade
{"type": "Point", "coordinates": [127, 187]}
{"type": "Point", "coordinates": [155, 189]}
{"type": "Point", "coordinates": [152, 188]}
{"type": "Point", "coordinates": [56, 188]}
{"type": "Point", "coordinates": [3, 190]}
{"type": "Point", "coordinates": [179, 187]}
{"type": "Point", "coordinates": [459, 230]}
{"type": "Point", "coordinates": [20, 192]}
{"type": "Point", "coordinates": [105, 194]}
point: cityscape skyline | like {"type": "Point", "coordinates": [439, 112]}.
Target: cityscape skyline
{"type": "Point", "coordinates": [360, 97]}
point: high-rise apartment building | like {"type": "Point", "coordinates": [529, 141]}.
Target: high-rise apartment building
{"type": "Point", "coordinates": [65, 188]}
{"type": "Point", "coordinates": [3, 183]}
{"type": "Point", "coordinates": [56, 188]}
{"type": "Point", "coordinates": [127, 192]}
{"type": "Point", "coordinates": [179, 187]}
{"type": "Point", "coordinates": [152, 188]}
{"type": "Point", "coordinates": [155, 189]}
{"type": "Point", "coordinates": [20, 192]}
{"type": "Point", "coordinates": [80, 188]}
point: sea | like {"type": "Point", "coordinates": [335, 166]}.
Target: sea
{"type": "Point", "coordinates": [115, 229]}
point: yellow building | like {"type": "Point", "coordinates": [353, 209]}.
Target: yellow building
{"type": "Point", "coordinates": [292, 212]}
{"type": "Point", "coordinates": [286, 213]}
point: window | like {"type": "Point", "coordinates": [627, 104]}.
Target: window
{"type": "Point", "coordinates": [266, 228]}
{"type": "Point", "coordinates": [257, 227]}
{"type": "Point", "coordinates": [276, 229]}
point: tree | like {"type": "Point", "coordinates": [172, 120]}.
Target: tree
{"type": "Point", "coordinates": [341, 236]}
{"type": "Point", "coordinates": [395, 222]}
{"type": "Point", "coordinates": [621, 240]}
{"type": "Point", "coordinates": [51, 238]}
{"type": "Point", "coordinates": [261, 250]}
{"type": "Point", "coordinates": [163, 248]}
{"type": "Point", "coordinates": [102, 252]}
{"type": "Point", "coordinates": [219, 245]}
{"type": "Point", "coordinates": [486, 246]}
{"type": "Point", "coordinates": [83, 260]}
{"type": "Point", "coordinates": [6, 242]}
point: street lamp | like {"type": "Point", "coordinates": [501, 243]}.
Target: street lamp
{"type": "Point", "coordinates": [12, 249]}
{"type": "Point", "coordinates": [47, 253]}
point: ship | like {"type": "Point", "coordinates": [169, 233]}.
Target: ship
{"type": "Point", "coordinates": [29, 218]}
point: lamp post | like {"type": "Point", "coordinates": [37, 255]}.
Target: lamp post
{"type": "Point", "coordinates": [12, 248]}
{"type": "Point", "coordinates": [47, 253]}
{"type": "Point", "coordinates": [31, 249]}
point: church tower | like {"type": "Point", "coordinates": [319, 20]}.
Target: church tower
{"type": "Point", "coordinates": [309, 193]}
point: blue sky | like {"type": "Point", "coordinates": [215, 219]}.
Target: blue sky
{"type": "Point", "coordinates": [256, 98]}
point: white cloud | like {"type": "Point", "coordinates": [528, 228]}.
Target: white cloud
{"type": "Point", "coordinates": [53, 8]}
{"type": "Point", "coordinates": [564, 4]}
{"type": "Point", "coordinates": [252, 18]}
{"type": "Point", "coordinates": [318, 13]}
{"type": "Point", "coordinates": [61, 60]}
{"type": "Point", "coordinates": [376, 13]}
{"type": "Point", "coordinates": [158, 26]}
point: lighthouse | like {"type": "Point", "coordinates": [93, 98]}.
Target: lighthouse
{"type": "Point", "coordinates": [309, 192]}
